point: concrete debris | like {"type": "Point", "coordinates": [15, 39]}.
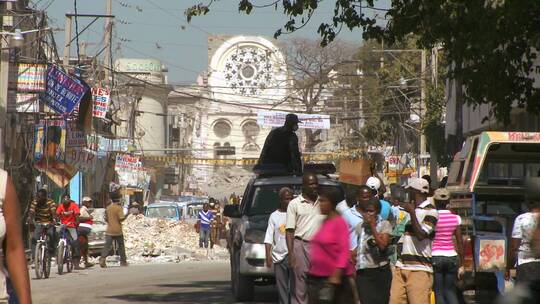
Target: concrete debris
{"type": "Point", "coordinates": [151, 240]}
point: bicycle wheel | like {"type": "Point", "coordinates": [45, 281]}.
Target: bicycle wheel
{"type": "Point", "coordinates": [46, 263]}
{"type": "Point", "coordinates": [38, 260]}
{"type": "Point", "coordinates": [60, 257]}
{"type": "Point", "coordinates": [69, 259]}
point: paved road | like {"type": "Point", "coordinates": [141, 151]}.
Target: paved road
{"type": "Point", "coordinates": [187, 282]}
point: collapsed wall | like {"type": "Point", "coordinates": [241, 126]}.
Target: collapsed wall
{"type": "Point", "coordinates": [150, 240]}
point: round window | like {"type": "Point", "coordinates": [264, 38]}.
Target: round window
{"type": "Point", "coordinates": [248, 72]}
{"type": "Point", "coordinates": [222, 129]}
{"type": "Point", "coordinates": [251, 129]}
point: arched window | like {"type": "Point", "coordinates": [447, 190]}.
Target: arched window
{"type": "Point", "coordinates": [251, 130]}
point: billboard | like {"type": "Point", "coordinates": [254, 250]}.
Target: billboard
{"type": "Point", "coordinates": [63, 92]}
{"type": "Point", "coordinates": [308, 121]}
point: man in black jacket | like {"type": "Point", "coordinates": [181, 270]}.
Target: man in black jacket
{"type": "Point", "coordinates": [281, 146]}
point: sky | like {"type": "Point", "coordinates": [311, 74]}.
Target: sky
{"type": "Point", "coordinates": [158, 29]}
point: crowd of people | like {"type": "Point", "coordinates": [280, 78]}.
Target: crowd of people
{"type": "Point", "coordinates": [367, 250]}
{"type": "Point", "coordinates": [44, 214]}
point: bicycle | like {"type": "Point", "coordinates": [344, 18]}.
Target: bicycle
{"type": "Point", "coordinates": [63, 251]}
{"type": "Point", "coordinates": [42, 255]}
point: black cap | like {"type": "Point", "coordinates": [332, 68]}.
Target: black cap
{"type": "Point", "coordinates": [292, 118]}
{"type": "Point", "coordinates": [115, 197]}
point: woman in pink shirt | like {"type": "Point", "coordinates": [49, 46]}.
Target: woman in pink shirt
{"type": "Point", "coordinates": [445, 252]}
{"type": "Point", "coordinates": [330, 273]}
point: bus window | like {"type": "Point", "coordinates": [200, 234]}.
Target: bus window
{"type": "Point", "coordinates": [472, 158]}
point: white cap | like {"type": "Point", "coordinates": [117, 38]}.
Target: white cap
{"type": "Point", "coordinates": [86, 199]}
{"type": "Point", "coordinates": [374, 183]}
{"type": "Point", "coordinates": [419, 184]}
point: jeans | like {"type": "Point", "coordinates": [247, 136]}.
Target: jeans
{"type": "Point", "coordinates": [445, 271]}
{"type": "Point", "coordinates": [74, 241]}
{"type": "Point", "coordinates": [204, 235]}
{"type": "Point", "coordinates": [528, 272]}
{"type": "Point", "coordinates": [370, 279]}
{"type": "Point", "coordinates": [109, 244]}
{"type": "Point", "coordinates": [37, 234]}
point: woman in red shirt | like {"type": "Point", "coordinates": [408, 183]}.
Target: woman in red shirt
{"type": "Point", "coordinates": [331, 269]}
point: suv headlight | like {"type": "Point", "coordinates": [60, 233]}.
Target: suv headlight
{"type": "Point", "coordinates": [254, 236]}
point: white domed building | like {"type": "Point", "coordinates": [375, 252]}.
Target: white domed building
{"type": "Point", "coordinates": [245, 74]}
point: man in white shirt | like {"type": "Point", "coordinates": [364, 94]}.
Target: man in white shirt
{"type": "Point", "coordinates": [303, 220]}
{"type": "Point", "coordinates": [276, 247]}
{"type": "Point", "coordinates": [528, 263]}
{"type": "Point", "coordinates": [348, 202]}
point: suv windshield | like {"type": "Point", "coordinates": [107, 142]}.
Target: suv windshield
{"type": "Point", "coordinates": [266, 198]}
{"type": "Point", "coordinates": [161, 212]}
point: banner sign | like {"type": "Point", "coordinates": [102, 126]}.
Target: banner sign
{"type": "Point", "coordinates": [308, 121]}
{"type": "Point", "coordinates": [28, 77]}
{"type": "Point", "coordinates": [82, 159]}
{"type": "Point", "coordinates": [131, 172]}
{"type": "Point", "coordinates": [103, 145]}
{"type": "Point", "coordinates": [63, 92]}
{"type": "Point", "coordinates": [75, 136]}
{"type": "Point", "coordinates": [23, 102]}
{"type": "Point", "coordinates": [101, 98]}
{"type": "Point", "coordinates": [125, 162]}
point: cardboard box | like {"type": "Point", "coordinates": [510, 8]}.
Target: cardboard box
{"type": "Point", "coordinates": [354, 171]}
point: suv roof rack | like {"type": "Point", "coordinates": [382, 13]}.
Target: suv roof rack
{"type": "Point", "coordinates": [323, 169]}
{"type": "Point", "coordinates": [281, 170]}
{"type": "Point", "coordinates": [270, 170]}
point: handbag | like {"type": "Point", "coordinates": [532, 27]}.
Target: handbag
{"type": "Point", "coordinates": [327, 293]}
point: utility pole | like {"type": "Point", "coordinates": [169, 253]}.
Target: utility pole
{"type": "Point", "coordinates": [67, 39]}
{"type": "Point", "coordinates": [4, 81]}
{"type": "Point", "coordinates": [422, 108]}
{"type": "Point", "coordinates": [108, 35]}
{"type": "Point", "coordinates": [433, 157]}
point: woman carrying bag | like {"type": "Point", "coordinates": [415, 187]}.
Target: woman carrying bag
{"type": "Point", "coordinates": [330, 275]}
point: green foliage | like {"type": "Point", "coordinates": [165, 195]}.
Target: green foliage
{"type": "Point", "coordinates": [490, 43]}
{"type": "Point", "coordinates": [432, 125]}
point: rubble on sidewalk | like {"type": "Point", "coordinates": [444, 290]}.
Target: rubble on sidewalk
{"type": "Point", "coordinates": [150, 240]}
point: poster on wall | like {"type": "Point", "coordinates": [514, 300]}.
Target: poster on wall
{"type": "Point", "coordinates": [308, 121]}
{"type": "Point", "coordinates": [50, 141]}
{"type": "Point", "coordinates": [130, 171]}
{"type": "Point", "coordinates": [63, 93]}
{"type": "Point", "coordinates": [101, 98]}
{"type": "Point", "coordinates": [50, 151]}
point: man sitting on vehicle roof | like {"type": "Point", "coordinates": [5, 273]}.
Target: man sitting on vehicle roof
{"type": "Point", "coordinates": [281, 146]}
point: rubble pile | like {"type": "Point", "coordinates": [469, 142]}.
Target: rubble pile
{"type": "Point", "coordinates": [150, 240]}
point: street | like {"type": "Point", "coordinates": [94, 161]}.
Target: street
{"type": "Point", "coordinates": [188, 282]}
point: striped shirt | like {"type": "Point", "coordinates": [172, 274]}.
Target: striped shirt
{"type": "Point", "coordinates": [443, 244]}
{"type": "Point", "coordinates": [206, 218]}
{"type": "Point", "coordinates": [43, 213]}
{"type": "Point", "coordinates": [415, 254]}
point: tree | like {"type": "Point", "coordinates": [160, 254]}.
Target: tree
{"type": "Point", "coordinates": [310, 67]}
{"type": "Point", "coordinates": [492, 44]}
{"type": "Point", "coordinates": [389, 89]}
